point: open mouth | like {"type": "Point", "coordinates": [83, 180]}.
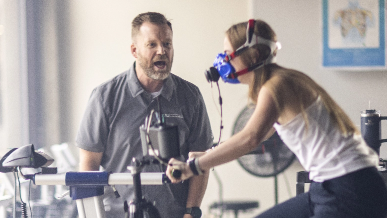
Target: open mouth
{"type": "Point", "coordinates": [160, 64]}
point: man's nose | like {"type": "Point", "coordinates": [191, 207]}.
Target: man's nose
{"type": "Point", "coordinates": [160, 50]}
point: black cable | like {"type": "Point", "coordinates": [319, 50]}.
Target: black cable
{"type": "Point", "coordinates": [15, 194]}
{"type": "Point", "coordinates": [29, 194]}
{"type": "Point", "coordinates": [29, 197]}
{"type": "Point", "coordinates": [23, 204]}
{"type": "Point", "coordinates": [213, 146]}
{"type": "Point", "coordinates": [18, 179]}
{"type": "Point", "coordinates": [221, 115]}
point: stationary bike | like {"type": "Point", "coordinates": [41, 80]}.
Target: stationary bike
{"type": "Point", "coordinates": [86, 188]}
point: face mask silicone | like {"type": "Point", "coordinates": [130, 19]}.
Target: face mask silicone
{"type": "Point", "coordinates": [224, 68]}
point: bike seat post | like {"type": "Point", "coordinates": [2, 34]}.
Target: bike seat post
{"type": "Point", "coordinates": [135, 206]}
{"type": "Point", "coordinates": [136, 174]}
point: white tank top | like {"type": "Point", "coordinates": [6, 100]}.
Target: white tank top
{"type": "Point", "coordinates": [321, 148]}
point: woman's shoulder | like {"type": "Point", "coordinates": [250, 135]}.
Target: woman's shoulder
{"type": "Point", "coordinates": [290, 92]}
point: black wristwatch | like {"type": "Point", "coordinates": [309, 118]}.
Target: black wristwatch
{"type": "Point", "coordinates": [194, 211]}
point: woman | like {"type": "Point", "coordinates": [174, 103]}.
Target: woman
{"type": "Point", "coordinates": [346, 182]}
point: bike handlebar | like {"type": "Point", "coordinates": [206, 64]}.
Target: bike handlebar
{"type": "Point", "coordinates": [113, 179]}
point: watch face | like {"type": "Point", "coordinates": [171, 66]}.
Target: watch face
{"type": "Point", "coordinates": [196, 212]}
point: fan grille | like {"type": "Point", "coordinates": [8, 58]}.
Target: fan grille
{"type": "Point", "coordinates": [270, 158]}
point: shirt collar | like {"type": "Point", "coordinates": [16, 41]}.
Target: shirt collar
{"type": "Point", "coordinates": [136, 88]}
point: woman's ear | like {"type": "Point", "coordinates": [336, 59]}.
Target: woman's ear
{"type": "Point", "coordinates": [254, 54]}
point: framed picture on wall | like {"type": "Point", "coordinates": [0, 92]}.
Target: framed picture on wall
{"type": "Point", "coordinates": [354, 34]}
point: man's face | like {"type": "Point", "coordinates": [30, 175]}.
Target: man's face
{"type": "Point", "coordinates": [154, 50]}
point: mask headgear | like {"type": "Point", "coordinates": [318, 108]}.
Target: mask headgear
{"type": "Point", "coordinates": [223, 68]}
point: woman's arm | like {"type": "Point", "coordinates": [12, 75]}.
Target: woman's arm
{"type": "Point", "coordinates": [259, 126]}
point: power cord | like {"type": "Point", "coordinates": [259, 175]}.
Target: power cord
{"type": "Point", "coordinates": [214, 145]}
{"type": "Point", "coordinates": [23, 205]}
{"type": "Point", "coordinates": [29, 197]}
{"type": "Point", "coordinates": [221, 114]}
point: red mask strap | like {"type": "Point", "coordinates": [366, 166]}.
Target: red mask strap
{"type": "Point", "coordinates": [244, 71]}
{"type": "Point", "coordinates": [250, 30]}
{"type": "Point", "coordinates": [239, 73]}
{"type": "Point", "coordinates": [230, 56]}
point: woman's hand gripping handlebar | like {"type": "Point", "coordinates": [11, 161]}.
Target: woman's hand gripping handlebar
{"type": "Point", "coordinates": [178, 171]}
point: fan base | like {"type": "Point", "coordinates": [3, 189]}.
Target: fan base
{"type": "Point", "coordinates": [235, 206]}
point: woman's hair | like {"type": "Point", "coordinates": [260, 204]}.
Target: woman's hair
{"type": "Point", "coordinates": [284, 82]}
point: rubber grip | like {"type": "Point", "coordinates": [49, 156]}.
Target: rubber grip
{"type": "Point", "coordinates": [176, 173]}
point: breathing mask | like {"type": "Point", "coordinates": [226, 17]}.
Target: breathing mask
{"type": "Point", "coordinates": [222, 67]}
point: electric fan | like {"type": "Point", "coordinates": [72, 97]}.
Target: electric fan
{"type": "Point", "coordinates": [270, 158]}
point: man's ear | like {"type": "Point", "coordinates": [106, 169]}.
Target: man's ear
{"type": "Point", "coordinates": [133, 49]}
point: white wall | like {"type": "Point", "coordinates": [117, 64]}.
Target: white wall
{"type": "Point", "coordinates": [14, 126]}
{"type": "Point", "coordinates": [99, 49]}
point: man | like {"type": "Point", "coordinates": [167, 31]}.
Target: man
{"type": "Point", "coordinates": [109, 134]}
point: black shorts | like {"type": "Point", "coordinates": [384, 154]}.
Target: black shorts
{"type": "Point", "coordinates": [361, 194]}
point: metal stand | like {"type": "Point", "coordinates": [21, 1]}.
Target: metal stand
{"type": "Point", "coordinates": [234, 206]}
{"type": "Point", "coordinates": [302, 178]}
{"type": "Point", "coordinates": [84, 207]}
{"type": "Point", "coordinates": [139, 205]}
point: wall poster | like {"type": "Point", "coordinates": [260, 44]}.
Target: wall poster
{"type": "Point", "coordinates": [354, 34]}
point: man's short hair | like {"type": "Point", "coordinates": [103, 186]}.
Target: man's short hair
{"type": "Point", "coordinates": [151, 17]}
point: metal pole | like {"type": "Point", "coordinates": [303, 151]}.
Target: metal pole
{"type": "Point", "coordinates": [276, 189]}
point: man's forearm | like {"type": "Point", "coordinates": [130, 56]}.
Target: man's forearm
{"type": "Point", "coordinates": [197, 189]}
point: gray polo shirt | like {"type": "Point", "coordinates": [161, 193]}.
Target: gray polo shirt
{"type": "Point", "coordinates": [115, 111]}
